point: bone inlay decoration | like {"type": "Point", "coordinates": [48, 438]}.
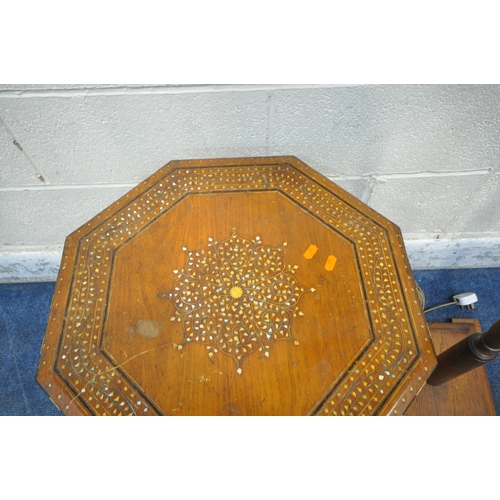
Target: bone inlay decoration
{"type": "Point", "coordinates": [236, 297]}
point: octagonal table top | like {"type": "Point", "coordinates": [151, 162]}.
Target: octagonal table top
{"type": "Point", "coordinates": [247, 286]}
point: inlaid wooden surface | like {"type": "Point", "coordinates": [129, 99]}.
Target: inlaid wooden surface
{"type": "Point", "coordinates": [467, 395]}
{"type": "Point", "coordinates": [250, 286]}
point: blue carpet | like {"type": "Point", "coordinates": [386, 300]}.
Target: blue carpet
{"type": "Point", "coordinates": [24, 310]}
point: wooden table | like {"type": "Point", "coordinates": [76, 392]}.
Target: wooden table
{"type": "Point", "coordinates": [467, 395]}
{"type": "Point", "coordinates": [250, 286]}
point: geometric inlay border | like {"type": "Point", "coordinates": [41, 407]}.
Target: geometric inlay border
{"type": "Point", "coordinates": [363, 388]}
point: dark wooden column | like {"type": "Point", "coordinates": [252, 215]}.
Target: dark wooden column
{"type": "Point", "coordinates": [471, 352]}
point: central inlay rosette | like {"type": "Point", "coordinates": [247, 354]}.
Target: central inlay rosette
{"type": "Point", "coordinates": [236, 292]}
{"type": "Point", "coordinates": [236, 296]}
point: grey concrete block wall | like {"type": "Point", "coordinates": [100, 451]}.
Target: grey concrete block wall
{"type": "Point", "coordinates": [46, 216]}
{"type": "Point", "coordinates": [441, 205]}
{"type": "Point", "coordinates": [122, 138]}
{"type": "Point", "coordinates": [425, 156]}
{"type": "Point", "coordinates": [390, 129]}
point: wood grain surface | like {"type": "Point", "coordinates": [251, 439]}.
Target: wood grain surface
{"type": "Point", "coordinates": [251, 286]}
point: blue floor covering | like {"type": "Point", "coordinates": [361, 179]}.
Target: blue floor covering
{"type": "Point", "coordinates": [24, 310]}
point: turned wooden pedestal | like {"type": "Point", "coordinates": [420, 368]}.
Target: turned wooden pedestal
{"type": "Point", "coordinates": [467, 395]}
{"type": "Point", "coordinates": [250, 286]}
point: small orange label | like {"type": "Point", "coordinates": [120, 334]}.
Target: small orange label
{"type": "Point", "coordinates": [330, 262]}
{"type": "Point", "coordinates": [311, 251]}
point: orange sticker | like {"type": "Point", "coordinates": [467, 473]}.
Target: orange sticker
{"type": "Point", "coordinates": [311, 251]}
{"type": "Point", "coordinates": [330, 262]}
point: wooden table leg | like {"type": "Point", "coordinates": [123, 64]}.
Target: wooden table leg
{"type": "Point", "coordinates": [473, 351]}
{"type": "Point", "coordinates": [468, 395]}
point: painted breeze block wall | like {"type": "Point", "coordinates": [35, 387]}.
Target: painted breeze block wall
{"type": "Point", "coordinates": [425, 156]}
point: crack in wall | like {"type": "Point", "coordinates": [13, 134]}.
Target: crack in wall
{"type": "Point", "coordinates": [42, 177]}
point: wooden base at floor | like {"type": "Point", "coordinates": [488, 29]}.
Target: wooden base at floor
{"type": "Point", "coordinates": [467, 395]}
